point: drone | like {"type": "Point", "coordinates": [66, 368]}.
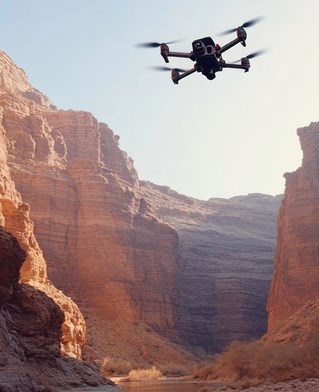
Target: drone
{"type": "Point", "coordinates": [206, 55]}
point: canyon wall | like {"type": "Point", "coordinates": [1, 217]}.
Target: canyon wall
{"type": "Point", "coordinates": [31, 326]}
{"type": "Point", "coordinates": [102, 244]}
{"type": "Point", "coordinates": [296, 272]}
{"type": "Point", "coordinates": [148, 268]}
{"type": "Point", "coordinates": [225, 254]}
{"type": "Point", "coordinates": [42, 331]}
{"type": "Point", "coordinates": [15, 212]}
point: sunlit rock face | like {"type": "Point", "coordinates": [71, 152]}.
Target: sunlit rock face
{"type": "Point", "coordinates": [225, 254]}
{"type": "Point", "coordinates": [31, 329]}
{"type": "Point", "coordinates": [15, 213]}
{"type": "Point", "coordinates": [102, 243]}
{"type": "Point", "coordinates": [296, 273]}
{"type": "Point", "coordinates": [142, 262]}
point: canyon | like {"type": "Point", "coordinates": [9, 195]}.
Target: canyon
{"type": "Point", "coordinates": [225, 253]}
{"type": "Point", "coordinates": [125, 271]}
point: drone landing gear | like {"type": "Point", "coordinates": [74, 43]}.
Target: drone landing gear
{"type": "Point", "coordinates": [177, 76]}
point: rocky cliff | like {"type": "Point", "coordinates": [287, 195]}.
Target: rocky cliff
{"type": "Point", "coordinates": [295, 280]}
{"type": "Point", "coordinates": [32, 331]}
{"type": "Point", "coordinates": [146, 266]}
{"type": "Point", "coordinates": [225, 255]}
{"type": "Point", "coordinates": [102, 244]}
{"type": "Point", "coordinates": [40, 327]}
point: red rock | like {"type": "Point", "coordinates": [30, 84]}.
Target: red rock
{"type": "Point", "coordinates": [30, 332]}
{"type": "Point", "coordinates": [102, 246]}
{"type": "Point", "coordinates": [296, 273]}
{"type": "Point", "coordinates": [38, 320]}
{"type": "Point", "coordinates": [142, 263]}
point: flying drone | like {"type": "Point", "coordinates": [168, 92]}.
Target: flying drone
{"type": "Point", "coordinates": [206, 54]}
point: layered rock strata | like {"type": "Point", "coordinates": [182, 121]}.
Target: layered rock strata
{"type": "Point", "coordinates": [140, 261]}
{"type": "Point", "coordinates": [31, 328]}
{"type": "Point", "coordinates": [296, 272]}
{"type": "Point", "coordinates": [225, 254]}
{"type": "Point", "coordinates": [42, 332]}
{"type": "Point", "coordinates": [102, 244]}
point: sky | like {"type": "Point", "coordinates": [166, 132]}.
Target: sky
{"type": "Point", "coordinates": [232, 136]}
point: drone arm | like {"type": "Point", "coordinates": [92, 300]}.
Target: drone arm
{"type": "Point", "coordinates": [180, 54]}
{"type": "Point", "coordinates": [176, 54]}
{"type": "Point", "coordinates": [165, 52]}
{"type": "Point", "coordinates": [230, 45]}
{"type": "Point", "coordinates": [177, 77]}
{"type": "Point", "coordinates": [245, 67]}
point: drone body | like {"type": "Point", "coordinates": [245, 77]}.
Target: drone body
{"type": "Point", "coordinates": [207, 55]}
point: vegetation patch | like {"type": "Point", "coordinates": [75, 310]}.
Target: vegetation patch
{"type": "Point", "coordinates": [143, 374]}
{"type": "Point", "coordinates": [248, 364]}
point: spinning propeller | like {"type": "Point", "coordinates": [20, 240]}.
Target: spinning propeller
{"type": "Point", "coordinates": [159, 68]}
{"type": "Point", "coordinates": [246, 24]}
{"type": "Point", "coordinates": [251, 55]}
{"type": "Point", "coordinates": [155, 44]}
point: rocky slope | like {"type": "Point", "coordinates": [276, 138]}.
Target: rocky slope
{"type": "Point", "coordinates": [226, 250]}
{"type": "Point", "coordinates": [32, 329]}
{"type": "Point", "coordinates": [296, 273]}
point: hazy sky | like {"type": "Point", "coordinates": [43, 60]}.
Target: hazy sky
{"type": "Point", "coordinates": [231, 136]}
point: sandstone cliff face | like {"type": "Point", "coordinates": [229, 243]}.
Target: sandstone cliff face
{"type": "Point", "coordinates": [140, 261]}
{"type": "Point", "coordinates": [226, 251]}
{"type": "Point", "coordinates": [30, 332]}
{"type": "Point", "coordinates": [103, 246]}
{"type": "Point", "coordinates": [295, 280]}
{"type": "Point", "coordinates": [15, 213]}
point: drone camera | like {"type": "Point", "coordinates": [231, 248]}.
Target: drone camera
{"type": "Point", "coordinates": [198, 47]}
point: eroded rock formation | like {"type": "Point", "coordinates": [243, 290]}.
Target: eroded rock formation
{"type": "Point", "coordinates": [225, 255]}
{"type": "Point", "coordinates": [102, 244]}
{"type": "Point", "coordinates": [296, 273]}
{"type": "Point", "coordinates": [145, 265]}
{"type": "Point", "coordinates": [31, 331]}
{"type": "Point", "coordinates": [42, 332]}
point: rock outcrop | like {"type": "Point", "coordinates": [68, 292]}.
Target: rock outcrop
{"type": "Point", "coordinates": [226, 250]}
{"type": "Point", "coordinates": [296, 273]}
{"type": "Point", "coordinates": [31, 328]}
{"type": "Point", "coordinates": [102, 245]}
{"type": "Point", "coordinates": [42, 332]}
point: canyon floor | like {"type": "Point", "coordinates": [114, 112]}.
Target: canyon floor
{"type": "Point", "coordinates": [311, 385]}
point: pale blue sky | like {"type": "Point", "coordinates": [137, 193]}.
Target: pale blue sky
{"type": "Point", "coordinates": [234, 135]}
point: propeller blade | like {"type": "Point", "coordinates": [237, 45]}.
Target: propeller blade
{"type": "Point", "coordinates": [148, 45]}
{"type": "Point", "coordinates": [252, 21]}
{"type": "Point", "coordinates": [160, 68]}
{"type": "Point", "coordinates": [155, 44]}
{"type": "Point", "coordinates": [251, 55]}
{"type": "Point", "coordinates": [256, 54]}
{"type": "Point", "coordinates": [227, 32]}
{"type": "Point", "coordinates": [246, 24]}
